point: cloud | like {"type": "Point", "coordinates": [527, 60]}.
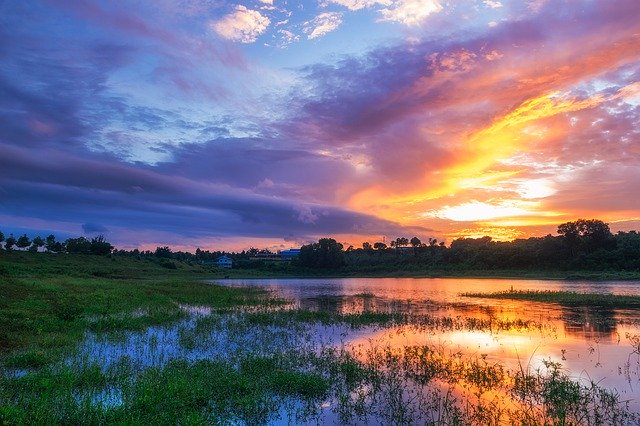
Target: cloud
{"type": "Point", "coordinates": [361, 4]}
{"type": "Point", "coordinates": [287, 37]}
{"type": "Point", "coordinates": [473, 211]}
{"type": "Point", "coordinates": [493, 4]}
{"type": "Point", "coordinates": [242, 25]}
{"type": "Point", "coordinates": [438, 113]}
{"type": "Point", "coordinates": [121, 196]}
{"type": "Point", "coordinates": [322, 24]}
{"type": "Point", "coordinates": [407, 12]}
{"type": "Point", "coordinates": [410, 12]}
{"type": "Point", "coordinates": [534, 117]}
{"type": "Point", "coordinates": [457, 61]}
{"type": "Point", "coordinates": [140, 26]}
{"type": "Point", "coordinates": [94, 228]}
{"type": "Point", "coordinates": [304, 214]}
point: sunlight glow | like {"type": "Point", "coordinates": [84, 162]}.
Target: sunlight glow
{"type": "Point", "coordinates": [477, 211]}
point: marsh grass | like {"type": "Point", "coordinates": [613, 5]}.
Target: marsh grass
{"type": "Point", "coordinates": [96, 341]}
{"type": "Point", "coordinates": [268, 372]}
{"type": "Point", "coordinates": [49, 300]}
{"type": "Point", "coordinates": [565, 298]}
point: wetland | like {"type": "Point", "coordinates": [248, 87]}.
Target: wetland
{"type": "Point", "coordinates": [158, 346]}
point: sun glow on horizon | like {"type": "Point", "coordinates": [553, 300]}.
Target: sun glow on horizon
{"type": "Point", "coordinates": [474, 211]}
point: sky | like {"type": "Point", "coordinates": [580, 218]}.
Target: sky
{"type": "Point", "coordinates": [272, 123]}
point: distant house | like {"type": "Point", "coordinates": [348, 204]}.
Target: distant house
{"type": "Point", "coordinates": [224, 262]}
{"type": "Point", "coordinates": [289, 254]}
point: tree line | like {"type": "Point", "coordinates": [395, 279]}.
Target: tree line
{"type": "Point", "coordinates": [579, 245]}
{"type": "Point", "coordinates": [585, 244]}
{"type": "Point", "coordinates": [98, 245]}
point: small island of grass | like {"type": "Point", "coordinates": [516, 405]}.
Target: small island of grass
{"type": "Point", "coordinates": [566, 298]}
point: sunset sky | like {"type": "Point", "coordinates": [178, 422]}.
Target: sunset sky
{"type": "Point", "coordinates": [271, 123]}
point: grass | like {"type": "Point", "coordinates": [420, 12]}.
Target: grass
{"type": "Point", "coordinates": [384, 271]}
{"type": "Point", "coordinates": [49, 300]}
{"type": "Point", "coordinates": [256, 364]}
{"type": "Point", "coordinates": [181, 392]}
{"type": "Point", "coordinates": [565, 298]}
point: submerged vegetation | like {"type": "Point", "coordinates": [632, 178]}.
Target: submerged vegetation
{"type": "Point", "coordinates": [48, 301]}
{"type": "Point", "coordinates": [566, 298]}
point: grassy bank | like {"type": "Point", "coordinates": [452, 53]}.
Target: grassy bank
{"type": "Point", "coordinates": [49, 300]}
{"type": "Point", "coordinates": [290, 271]}
{"type": "Point", "coordinates": [145, 359]}
{"type": "Point", "coordinates": [566, 298]}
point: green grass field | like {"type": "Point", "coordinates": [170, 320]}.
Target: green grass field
{"type": "Point", "coordinates": [50, 304]}
{"type": "Point", "coordinates": [48, 300]}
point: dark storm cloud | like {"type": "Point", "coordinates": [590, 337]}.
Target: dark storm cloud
{"type": "Point", "coordinates": [94, 228]}
{"type": "Point", "coordinates": [61, 187]}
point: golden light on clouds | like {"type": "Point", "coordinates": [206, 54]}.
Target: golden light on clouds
{"type": "Point", "coordinates": [475, 211]}
{"type": "Point", "coordinates": [480, 187]}
{"type": "Point", "coordinates": [485, 187]}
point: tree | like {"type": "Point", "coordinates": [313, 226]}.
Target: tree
{"type": "Point", "coordinates": [38, 241]}
{"type": "Point", "coordinates": [23, 242]}
{"type": "Point", "coordinates": [379, 246]}
{"type": "Point", "coordinates": [589, 234]}
{"type": "Point", "coordinates": [163, 252]}
{"type": "Point", "coordinates": [366, 245]}
{"type": "Point", "coordinates": [100, 246]}
{"type": "Point", "coordinates": [415, 242]}
{"type": "Point", "coordinates": [326, 253]}
{"type": "Point", "coordinates": [10, 242]}
{"type": "Point", "coordinates": [52, 245]}
{"type": "Point", "coordinates": [400, 242]}
{"type": "Point", "coordinates": [1, 237]}
{"type": "Point", "coordinates": [50, 242]}
{"type": "Point", "coordinates": [585, 228]}
{"type": "Point", "coordinates": [78, 245]}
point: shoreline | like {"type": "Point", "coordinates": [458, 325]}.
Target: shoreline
{"type": "Point", "coordinates": [502, 275]}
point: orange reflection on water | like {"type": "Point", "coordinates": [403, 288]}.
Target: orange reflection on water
{"type": "Point", "coordinates": [590, 344]}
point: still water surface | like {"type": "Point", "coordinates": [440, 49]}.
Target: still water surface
{"type": "Point", "coordinates": [592, 344]}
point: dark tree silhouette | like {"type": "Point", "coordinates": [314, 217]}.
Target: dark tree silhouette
{"type": "Point", "coordinates": [163, 252]}
{"type": "Point", "coordinates": [586, 235]}
{"type": "Point", "coordinates": [52, 245]}
{"type": "Point", "coordinates": [78, 245]}
{"type": "Point", "coordinates": [400, 242]}
{"type": "Point", "coordinates": [23, 242]}
{"type": "Point", "coordinates": [10, 242]}
{"type": "Point", "coordinates": [326, 253]}
{"type": "Point", "coordinates": [100, 246]}
{"type": "Point", "coordinates": [37, 241]}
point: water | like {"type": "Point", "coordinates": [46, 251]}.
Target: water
{"type": "Point", "coordinates": [591, 344]}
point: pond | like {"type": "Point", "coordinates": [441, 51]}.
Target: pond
{"type": "Point", "coordinates": [395, 351]}
{"type": "Point", "coordinates": [590, 344]}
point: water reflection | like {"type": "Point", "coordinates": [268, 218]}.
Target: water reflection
{"type": "Point", "coordinates": [430, 332]}
{"type": "Point", "coordinates": [591, 344]}
{"type": "Point", "coordinates": [592, 323]}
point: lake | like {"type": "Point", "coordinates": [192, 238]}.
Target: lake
{"type": "Point", "coordinates": [591, 345]}
{"type": "Point", "coordinates": [404, 351]}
